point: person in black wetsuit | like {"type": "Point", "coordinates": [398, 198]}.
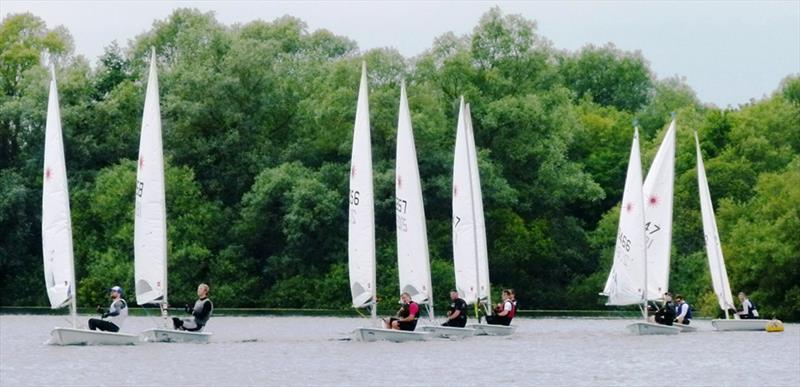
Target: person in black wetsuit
{"type": "Point", "coordinates": [457, 315]}
{"type": "Point", "coordinates": [666, 314]}
{"type": "Point", "coordinates": [201, 312]}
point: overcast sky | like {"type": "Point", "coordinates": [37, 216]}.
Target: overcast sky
{"type": "Point", "coordinates": [729, 51]}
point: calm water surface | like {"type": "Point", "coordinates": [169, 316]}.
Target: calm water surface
{"type": "Point", "coordinates": [315, 351]}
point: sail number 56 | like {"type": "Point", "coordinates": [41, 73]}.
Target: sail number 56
{"type": "Point", "coordinates": [354, 197]}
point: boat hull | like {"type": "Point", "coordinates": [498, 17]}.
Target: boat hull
{"type": "Point", "coordinates": [397, 336]}
{"type": "Point", "coordinates": [73, 336]}
{"type": "Point", "coordinates": [492, 329]}
{"type": "Point", "coordinates": [739, 325]}
{"type": "Point", "coordinates": [173, 336]}
{"type": "Point", "coordinates": [449, 332]}
{"type": "Point", "coordinates": [647, 328]}
{"type": "Point", "coordinates": [685, 328]}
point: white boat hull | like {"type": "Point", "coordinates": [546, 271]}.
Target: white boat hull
{"type": "Point", "coordinates": [685, 328]}
{"type": "Point", "coordinates": [174, 336]}
{"type": "Point", "coordinates": [449, 332]}
{"type": "Point", "coordinates": [397, 336]}
{"type": "Point", "coordinates": [492, 329]}
{"type": "Point", "coordinates": [647, 328]}
{"type": "Point", "coordinates": [739, 325]}
{"type": "Point", "coordinates": [72, 336]}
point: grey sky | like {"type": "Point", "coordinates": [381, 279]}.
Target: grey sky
{"type": "Point", "coordinates": [729, 51]}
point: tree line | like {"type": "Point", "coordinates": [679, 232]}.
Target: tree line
{"type": "Point", "coordinates": [257, 125]}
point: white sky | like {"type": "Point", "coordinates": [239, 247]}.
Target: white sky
{"type": "Point", "coordinates": [729, 51]}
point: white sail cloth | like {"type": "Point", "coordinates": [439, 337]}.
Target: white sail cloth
{"type": "Point", "coordinates": [716, 262]}
{"type": "Point", "coordinates": [470, 257]}
{"type": "Point", "coordinates": [626, 282]}
{"type": "Point", "coordinates": [361, 231]}
{"type": "Point", "coordinates": [658, 197]}
{"type": "Point", "coordinates": [413, 264]}
{"type": "Point", "coordinates": [150, 226]}
{"type": "Point", "coordinates": [57, 251]}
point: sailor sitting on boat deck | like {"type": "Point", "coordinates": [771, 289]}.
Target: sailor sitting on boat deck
{"type": "Point", "coordinates": [114, 316]}
{"type": "Point", "coordinates": [457, 315]}
{"type": "Point", "coordinates": [505, 311]}
{"type": "Point", "coordinates": [682, 310]}
{"type": "Point", "coordinates": [665, 315]}
{"type": "Point", "coordinates": [201, 312]}
{"type": "Point", "coordinates": [407, 315]}
{"type": "Point", "coordinates": [749, 310]}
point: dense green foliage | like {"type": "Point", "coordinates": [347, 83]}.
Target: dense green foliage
{"type": "Point", "coordinates": [258, 121]}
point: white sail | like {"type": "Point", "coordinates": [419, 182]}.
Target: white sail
{"type": "Point", "coordinates": [465, 243]}
{"type": "Point", "coordinates": [59, 271]}
{"type": "Point", "coordinates": [413, 262]}
{"type": "Point", "coordinates": [716, 262]}
{"type": "Point", "coordinates": [361, 232]}
{"type": "Point", "coordinates": [484, 288]}
{"type": "Point", "coordinates": [658, 197]}
{"type": "Point", "coordinates": [626, 282]}
{"type": "Point", "coordinates": [150, 227]}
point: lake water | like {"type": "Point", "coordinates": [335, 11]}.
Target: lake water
{"type": "Point", "coordinates": [282, 351]}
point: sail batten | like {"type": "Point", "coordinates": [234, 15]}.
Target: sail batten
{"type": "Point", "coordinates": [361, 230]}
{"type": "Point", "coordinates": [57, 248]}
{"type": "Point", "coordinates": [413, 262]}
{"type": "Point", "coordinates": [716, 261]}
{"type": "Point", "coordinates": [150, 225]}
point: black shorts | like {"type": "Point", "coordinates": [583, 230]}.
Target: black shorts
{"type": "Point", "coordinates": [407, 325]}
{"type": "Point", "coordinates": [458, 323]}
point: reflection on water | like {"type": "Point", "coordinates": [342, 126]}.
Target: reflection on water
{"type": "Point", "coordinates": [315, 351]}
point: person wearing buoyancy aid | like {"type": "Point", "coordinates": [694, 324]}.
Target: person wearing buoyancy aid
{"type": "Point", "coordinates": [111, 320]}
{"type": "Point", "coordinates": [505, 311]}
{"type": "Point", "coordinates": [749, 310]}
{"type": "Point", "coordinates": [407, 316]}
{"type": "Point", "coordinates": [665, 315]}
{"type": "Point", "coordinates": [201, 312]}
{"type": "Point", "coordinates": [457, 315]}
{"type": "Point", "coordinates": [683, 311]}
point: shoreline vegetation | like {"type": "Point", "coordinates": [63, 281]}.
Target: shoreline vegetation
{"type": "Point", "coordinates": [257, 129]}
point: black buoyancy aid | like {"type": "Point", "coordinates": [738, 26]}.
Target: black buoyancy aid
{"type": "Point", "coordinates": [406, 310]}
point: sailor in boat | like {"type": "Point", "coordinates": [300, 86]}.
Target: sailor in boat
{"type": "Point", "coordinates": [665, 315]}
{"type": "Point", "coordinates": [505, 311]}
{"type": "Point", "coordinates": [112, 318]}
{"type": "Point", "coordinates": [749, 310]}
{"type": "Point", "coordinates": [201, 312]}
{"type": "Point", "coordinates": [683, 311]}
{"type": "Point", "coordinates": [407, 316]}
{"type": "Point", "coordinates": [457, 315]}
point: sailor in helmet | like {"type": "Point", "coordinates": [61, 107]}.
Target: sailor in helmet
{"type": "Point", "coordinates": [114, 316]}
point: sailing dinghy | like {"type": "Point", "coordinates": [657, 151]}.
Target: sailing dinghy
{"type": "Point", "coordinates": [361, 231]}
{"type": "Point", "coordinates": [470, 257]}
{"type": "Point", "coordinates": [413, 263]}
{"type": "Point", "coordinates": [658, 196]}
{"type": "Point", "coordinates": [59, 263]}
{"type": "Point", "coordinates": [150, 227]}
{"type": "Point", "coordinates": [627, 283]}
{"type": "Point", "coordinates": [716, 262]}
